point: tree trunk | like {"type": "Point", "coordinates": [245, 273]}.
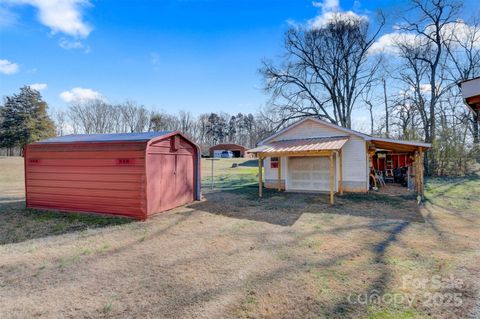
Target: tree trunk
{"type": "Point", "coordinates": [387, 128]}
{"type": "Point", "coordinates": [371, 122]}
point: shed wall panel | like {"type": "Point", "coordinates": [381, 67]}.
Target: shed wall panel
{"type": "Point", "coordinates": [107, 178]}
{"type": "Point", "coordinates": [90, 171]}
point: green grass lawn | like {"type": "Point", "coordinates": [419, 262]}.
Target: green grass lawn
{"type": "Point", "coordinates": [459, 193]}
{"type": "Point", "coordinates": [235, 255]}
{"type": "Point", "coordinates": [225, 176]}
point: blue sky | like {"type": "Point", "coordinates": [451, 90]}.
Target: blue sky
{"type": "Point", "coordinates": [171, 55]}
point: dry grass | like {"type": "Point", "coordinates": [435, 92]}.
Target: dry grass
{"type": "Point", "coordinates": [234, 255]}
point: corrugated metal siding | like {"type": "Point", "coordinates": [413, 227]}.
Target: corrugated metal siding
{"type": "Point", "coordinates": [91, 177]}
{"type": "Point", "coordinates": [174, 172]}
{"type": "Point", "coordinates": [299, 145]}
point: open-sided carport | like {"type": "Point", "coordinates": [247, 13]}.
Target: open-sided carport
{"type": "Point", "coordinates": [313, 155]}
{"type": "Point", "coordinates": [133, 174]}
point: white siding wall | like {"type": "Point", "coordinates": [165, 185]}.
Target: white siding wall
{"type": "Point", "coordinates": [355, 164]}
{"type": "Point", "coordinates": [355, 171]}
{"type": "Point", "coordinates": [271, 173]}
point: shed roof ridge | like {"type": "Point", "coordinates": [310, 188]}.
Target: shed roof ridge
{"type": "Point", "coordinates": [106, 137]}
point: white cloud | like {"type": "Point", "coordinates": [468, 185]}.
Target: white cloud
{"type": "Point", "coordinates": [462, 32]}
{"type": "Point", "coordinates": [64, 16]}
{"type": "Point", "coordinates": [328, 5]}
{"type": "Point", "coordinates": [7, 67]}
{"type": "Point", "coordinates": [330, 11]}
{"type": "Point", "coordinates": [79, 95]}
{"type": "Point", "coordinates": [388, 43]}
{"type": "Point", "coordinates": [424, 89]}
{"type": "Point", "coordinates": [68, 45]}
{"type": "Point", "coordinates": [38, 86]}
{"type": "Point", "coordinates": [73, 45]}
{"type": "Point", "coordinates": [457, 31]}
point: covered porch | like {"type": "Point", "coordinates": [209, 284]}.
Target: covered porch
{"type": "Point", "coordinates": [327, 148]}
{"type": "Point", "coordinates": [386, 156]}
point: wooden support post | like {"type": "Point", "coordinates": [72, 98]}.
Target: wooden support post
{"type": "Point", "coordinates": [341, 172]}
{"type": "Point", "coordinates": [417, 172]}
{"type": "Point", "coordinates": [367, 184]}
{"type": "Point", "coordinates": [420, 160]}
{"type": "Point", "coordinates": [279, 174]}
{"type": "Point", "coordinates": [260, 179]}
{"type": "Point", "coordinates": [332, 201]}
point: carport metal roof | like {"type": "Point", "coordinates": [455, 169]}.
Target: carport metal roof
{"type": "Point", "coordinates": [303, 147]}
{"type": "Point", "coordinates": [399, 145]}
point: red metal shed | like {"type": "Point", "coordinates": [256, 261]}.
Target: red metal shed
{"type": "Point", "coordinates": [133, 174]}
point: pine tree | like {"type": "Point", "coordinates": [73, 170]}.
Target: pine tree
{"type": "Point", "coordinates": [25, 119]}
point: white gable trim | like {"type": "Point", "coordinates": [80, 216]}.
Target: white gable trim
{"type": "Point", "coordinates": [336, 127]}
{"type": "Point", "coordinates": [345, 130]}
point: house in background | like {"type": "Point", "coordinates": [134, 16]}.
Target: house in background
{"type": "Point", "coordinates": [471, 94]}
{"type": "Point", "coordinates": [237, 150]}
{"type": "Point", "coordinates": [312, 155]}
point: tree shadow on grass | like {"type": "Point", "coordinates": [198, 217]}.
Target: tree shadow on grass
{"type": "Point", "coordinates": [18, 223]}
{"type": "Point", "coordinates": [378, 286]}
{"type": "Point", "coordinates": [242, 203]}
{"type": "Point", "coordinates": [285, 208]}
{"type": "Point", "coordinates": [379, 206]}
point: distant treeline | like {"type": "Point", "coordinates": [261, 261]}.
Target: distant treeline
{"type": "Point", "coordinates": [24, 119]}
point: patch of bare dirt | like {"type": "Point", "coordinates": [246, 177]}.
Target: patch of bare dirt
{"type": "Point", "coordinates": [237, 256]}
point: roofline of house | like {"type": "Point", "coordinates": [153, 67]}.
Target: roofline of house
{"type": "Point", "coordinates": [346, 130]}
{"type": "Point", "coordinates": [469, 107]}
{"type": "Point", "coordinates": [468, 80]}
{"type": "Point", "coordinates": [391, 140]}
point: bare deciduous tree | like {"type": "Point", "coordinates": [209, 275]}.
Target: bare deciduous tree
{"type": "Point", "coordinates": [135, 117]}
{"type": "Point", "coordinates": [425, 58]}
{"type": "Point", "coordinates": [325, 70]}
{"type": "Point", "coordinates": [94, 116]}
